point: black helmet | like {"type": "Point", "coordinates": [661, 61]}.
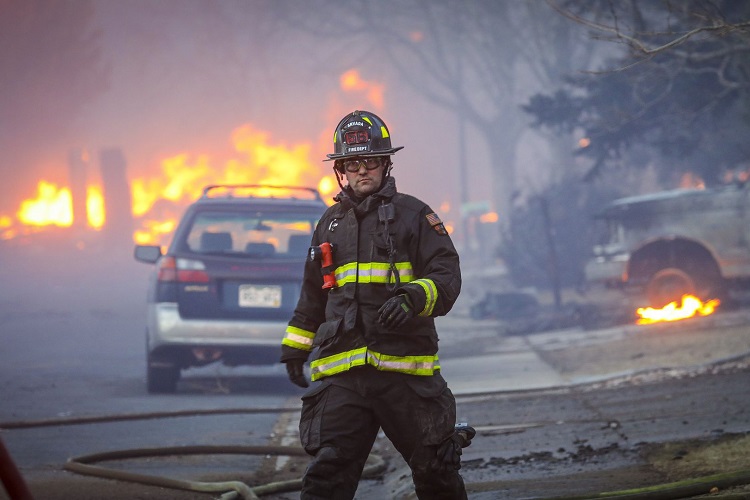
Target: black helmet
{"type": "Point", "coordinates": [361, 133]}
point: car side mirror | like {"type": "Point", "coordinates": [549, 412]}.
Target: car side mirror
{"type": "Point", "coordinates": [147, 253]}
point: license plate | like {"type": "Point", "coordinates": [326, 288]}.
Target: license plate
{"type": "Point", "coordinates": [260, 296]}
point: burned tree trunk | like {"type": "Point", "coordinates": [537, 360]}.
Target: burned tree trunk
{"type": "Point", "coordinates": [78, 173]}
{"type": "Point", "coordinates": [118, 225]}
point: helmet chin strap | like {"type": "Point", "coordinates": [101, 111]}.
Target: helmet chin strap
{"type": "Point", "coordinates": [339, 177]}
{"type": "Point", "coordinates": [386, 170]}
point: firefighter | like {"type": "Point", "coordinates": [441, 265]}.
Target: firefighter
{"type": "Point", "coordinates": [382, 267]}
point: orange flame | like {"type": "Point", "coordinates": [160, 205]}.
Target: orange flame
{"type": "Point", "coordinates": [6, 228]}
{"type": "Point", "coordinates": [95, 207]}
{"type": "Point", "coordinates": [374, 91]}
{"type": "Point", "coordinates": [184, 177]}
{"type": "Point", "coordinates": [158, 200]}
{"type": "Point", "coordinates": [489, 217]}
{"type": "Point", "coordinates": [689, 307]}
{"type": "Point", "coordinates": [691, 180]}
{"type": "Point", "coordinates": [52, 206]}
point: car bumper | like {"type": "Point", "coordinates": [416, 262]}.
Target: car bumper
{"type": "Point", "coordinates": [166, 327]}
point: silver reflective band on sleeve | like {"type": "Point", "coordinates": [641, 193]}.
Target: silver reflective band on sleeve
{"type": "Point", "coordinates": [298, 338]}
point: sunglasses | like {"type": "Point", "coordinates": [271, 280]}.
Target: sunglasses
{"type": "Point", "coordinates": [352, 166]}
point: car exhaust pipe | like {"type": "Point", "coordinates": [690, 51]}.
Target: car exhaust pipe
{"type": "Point", "coordinates": [206, 355]}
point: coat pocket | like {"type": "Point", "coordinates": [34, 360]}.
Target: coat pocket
{"type": "Point", "coordinates": [326, 331]}
{"type": "Point", "coordinates": [313, 405]}
{"type": "Point", "coordinates": [428, 387]}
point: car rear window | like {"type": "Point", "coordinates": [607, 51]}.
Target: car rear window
{"type": "Point", "coordinates": [251, 235]}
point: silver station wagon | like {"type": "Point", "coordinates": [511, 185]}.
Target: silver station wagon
{"type": "Point", "coordinates": [229, 280]}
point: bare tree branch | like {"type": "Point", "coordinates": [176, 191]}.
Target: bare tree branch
{"type": "Point", "coordinates": [635, 43]}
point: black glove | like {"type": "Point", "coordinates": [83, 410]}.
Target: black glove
{"type": "Point", "coordinates": [295, 370]}
{"type": "Point", "coordinates": [396, 311]}
{"type": "Point", "coordinates": [449, 452]}
{"type": "Point", "coordinates": [465, 434]}
{"type": "Point", "coordinates": [449, 455]}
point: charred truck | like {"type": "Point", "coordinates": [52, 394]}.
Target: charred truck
{"type": "Point", "coordinates": [666, 244]}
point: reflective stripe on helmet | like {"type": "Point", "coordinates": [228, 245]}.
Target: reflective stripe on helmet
{"type": "Point", "coordinates": [430, 292]}
{"type": "Point", "coordinates": [411, 365]}
{"type": "Point", "coordinates": [372, 272]}
{"type": "Point", "coordinates": [298, 338]}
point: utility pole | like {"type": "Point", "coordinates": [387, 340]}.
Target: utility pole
{"type": "Point", "coordinates": [553, 266]}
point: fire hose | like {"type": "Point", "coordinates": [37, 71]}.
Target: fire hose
{"type": "Point", "coordinates": [234, 489]}
{"type": "Point", "coordinates": [374, 466]}
{"type": "Point", "coordinates": [237, 489]}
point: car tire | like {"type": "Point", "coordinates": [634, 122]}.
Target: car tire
{"type": "Point", "coordinates": [162, 373]}
{"type": "Point", "coordinates": [161, 376]}
{"type": "Point", "coordinates": [669, 285]}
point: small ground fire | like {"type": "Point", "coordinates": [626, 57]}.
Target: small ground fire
{"type": "Point", "coordinates": [690, 306]}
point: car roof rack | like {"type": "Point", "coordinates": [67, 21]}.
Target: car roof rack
{"type": "Point", "coordinates": [268, 188]}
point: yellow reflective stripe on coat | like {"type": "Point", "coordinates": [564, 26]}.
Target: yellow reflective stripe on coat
{"type": "Point", "coordinates": [298, 338]}
{"type": "Point", "coordinates": [337, 363]}
{"type": "Point", "coordinates": [411, 365]}
{"type": "Point", "coordinates": [372, 272]}
{"type": "Point", "coordinates": [430, 293]}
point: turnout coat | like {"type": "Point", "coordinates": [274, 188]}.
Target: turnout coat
{"type": "Point", "coordinates": [388, 244]}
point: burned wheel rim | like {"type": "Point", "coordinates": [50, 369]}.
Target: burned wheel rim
{"type": "Point", "coordinates": [669, 285]}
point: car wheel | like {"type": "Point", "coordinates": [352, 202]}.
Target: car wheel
{"type": "Point", "coordinates": [161, 376]}
{"type": "Point", "coordinates": [669, 285]}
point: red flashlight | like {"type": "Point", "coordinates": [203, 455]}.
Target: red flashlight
{"type": "Point", "coordinates": [324, 253]}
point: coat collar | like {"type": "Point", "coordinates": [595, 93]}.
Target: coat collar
{"type": "Point", "coordinates": [361, 207]}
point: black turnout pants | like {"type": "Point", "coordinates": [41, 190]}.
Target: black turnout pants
{"type": "Point", "coordinates": [341, 417]}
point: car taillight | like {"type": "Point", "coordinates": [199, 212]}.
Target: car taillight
{"type": "Point", "coordinates": [167, 269]}
{"type": "Point", "coordinates": [182, 270]}
{"type": "Point", "coordinates": [193, 271]}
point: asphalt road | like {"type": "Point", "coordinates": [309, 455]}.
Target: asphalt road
{"type": "Point", "coordinates": [557, 413]}
{"type": "Point", "coordinates": [72, 327]}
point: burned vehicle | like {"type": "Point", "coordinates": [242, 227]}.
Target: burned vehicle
{"type": "Point", "coordinates": [671, 243]}
{"type": "Point", "coordinates": [229, 281]}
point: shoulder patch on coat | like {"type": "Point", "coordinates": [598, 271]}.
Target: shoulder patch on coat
{"type": "Point", "coordinates": [436, 223]}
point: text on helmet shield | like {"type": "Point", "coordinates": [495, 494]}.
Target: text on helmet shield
{"type": "Point", "coordinates": [354, 124]}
